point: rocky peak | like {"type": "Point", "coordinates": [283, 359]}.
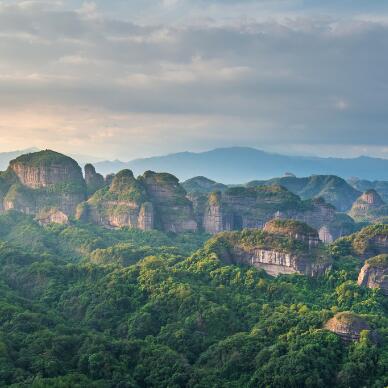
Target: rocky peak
{"type": "Point", "coordinates": [42, 179]}
{"type": "Point", "coordinates": [347, 325]}
{"type": "Point", "coordinates": [93, 180]}
{"type": "Point", "coordinates": [174, 211]}
{"type": "Point", "coordinates": [46, 168]}
{"type": "Point", "coordinates": [368, 207]}
{"type": "Point", "coordinates": [374, 274]}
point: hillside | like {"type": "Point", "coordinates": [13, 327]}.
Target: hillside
{"type": "Point", "coordinates": [333, 189]}
{"type": "Point", "coordinates": [83, 306]}
{"type": "Point", "coordinates": [243, 164]}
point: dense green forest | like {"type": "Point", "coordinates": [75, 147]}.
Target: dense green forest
{"type": "Point", "coordinates": [83, 306]}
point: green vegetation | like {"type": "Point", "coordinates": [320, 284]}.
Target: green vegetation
{"type": "Point", "coordinates": [124, 187]}
{"type": "Point", "coordinates": [333, 189]}
{"type": "Point", "coordinates": [378, 261]}
{"type": "Point", "coordinates": [45, 158]}
{"type": "Point", "coordinates": [202, 185]}
{"type": "Point", "coordinates": [290, 227]}
{"type": "Point", "coordinates": [83, 306]}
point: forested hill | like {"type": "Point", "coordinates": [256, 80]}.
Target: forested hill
{"type": "Point", "coordinates": [243, 164]}
{"type": "Point", "coordinates": [83, 306]}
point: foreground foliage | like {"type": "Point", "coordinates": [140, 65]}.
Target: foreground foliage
{"type": "Point", "coordinates": [81, 306]}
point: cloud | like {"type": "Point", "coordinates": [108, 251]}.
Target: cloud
{"type": "Point", "coordinates": [121, 86]}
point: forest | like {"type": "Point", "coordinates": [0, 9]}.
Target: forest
{"type": "Point", "coordinates": [84, 306]}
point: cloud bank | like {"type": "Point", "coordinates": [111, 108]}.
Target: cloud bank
{"type": "Point", "coordinates": [119, 81]}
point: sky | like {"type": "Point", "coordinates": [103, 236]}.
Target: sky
{"type": "Point", "coordinates": [135, 78]}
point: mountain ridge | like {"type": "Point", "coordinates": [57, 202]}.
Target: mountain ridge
{"type": "Point", "coordinates": [242, 164]}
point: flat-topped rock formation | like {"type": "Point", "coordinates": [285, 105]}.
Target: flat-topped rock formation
{"type": "Point", "coordinates": [275, 250]}
{"type": "Point", "coordinates": [41, 180]}
{"type": "Point", "coordinates": [374, 274]}
{"type": "Point", "coordinates": [294, 229]}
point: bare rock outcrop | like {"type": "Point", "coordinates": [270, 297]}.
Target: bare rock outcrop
{"type": "Point", "coordinates": [52, 216]}
{"type": "Point", "coordinates": [374, 274]}
{"type": "Point", "coordinates": [44, 179]}
{"type": "Point", "coordinates": [347, 325]}
{"type": "Point", "coordinates": [94, 181]}
{"type": "Point", "coordinates": [277, 250]}
{"type": "Point", "coordinates": [123, 204]}
{"type": "Point", "coordinates": [241, 207]}
{"type": "Point", "coordinates": [173, 211]}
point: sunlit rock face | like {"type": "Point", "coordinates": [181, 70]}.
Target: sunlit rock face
{"type": "Point", "coordinates": [374, 274]}
{"type": "Point", "coordinates": [44, 179]}
{"type": "Point", "coordinates": [347, 325]}
{"type": "Point", "coordinates": [285, 248]}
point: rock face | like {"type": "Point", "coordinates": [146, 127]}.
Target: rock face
{"type": "Point", "coordinates": [174, 212]}
{"type": "Point", "coordinates": [238, 208]}
{"type": "Point", "coordinates": [153, 201]}
{"type": "Point", "coordinates": [277, 249]}
{"type": "Point", "coordinates": [369, 207]}
{"type": "Point", "coordinates": [374, 274]}
{"type": "Point", "coordinates": [93, 180]}
{"type": "Point", "coordinates": [43, 180]}
{"type": "Point", "coordinates": [347, 325]}
{"type": "Point", "coordinates": [123, 204]}
{"type": "Point", "coordinates": [52, 216]}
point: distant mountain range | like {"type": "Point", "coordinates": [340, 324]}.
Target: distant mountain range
{"type": "Point", "coordinates": [6, 157]}
{"type": "Point", "coordinates": [235, 165]}
{"type": "Point", "coordinates": [243, 164]}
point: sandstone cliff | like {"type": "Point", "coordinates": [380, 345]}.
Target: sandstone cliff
{"type": "Point", "coordinates": [173, 211]}
{"type": "Point", "coordinates": [42, 180]}
{"type": "Point", "coordinates": [374, 274]}
{"type": "Point", "coordinates": [347, 325]}
{"type": "Point", "coordinates": [240, 207]}
{"type": "Point", "coordinates": [153, 201]}
{"type": "Point", "coordinates": [281, 251]}
{"type": "Point", "coordinates": [123, 204]}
